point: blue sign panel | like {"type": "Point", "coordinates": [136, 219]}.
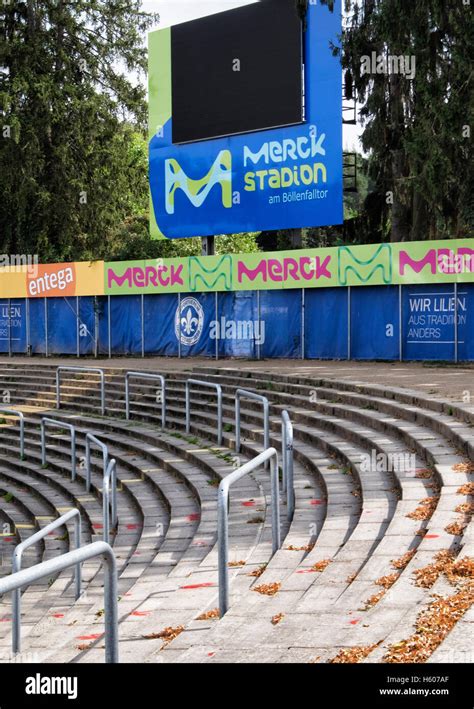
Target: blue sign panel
{"type": "Point", "coordinates": [281, 178]}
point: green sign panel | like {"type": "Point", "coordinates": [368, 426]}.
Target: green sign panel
{"type": "Point", "coordinates": [450, 261]}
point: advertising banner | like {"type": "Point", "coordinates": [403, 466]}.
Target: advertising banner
{"type": "Point", "coordinates": [403, 263]}
{"type": "Point", "coordinates": [277, 178]}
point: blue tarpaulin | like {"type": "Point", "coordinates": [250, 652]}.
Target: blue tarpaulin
{"type": "Point", "coordinates": [326, 323]}
{"type": "Point", "coordinates": [375, 322]}
{"type": "Point", "coordinates": [248, 324]}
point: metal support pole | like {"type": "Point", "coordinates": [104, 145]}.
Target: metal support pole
{"type": "Point", "coordinates": [216, 316]}
{"type": "Point", "coordinates": [78, 328]}
{"type": "Point", "coordinates": [96, 326]}
{"type": "Point", "coordinates": [400, 323]}
{"type": "Point", "coordinates": [28, 328]}
{"type": "Point", "coordinates": [258, 318]}
{"type": "Point", "coordinates": [109, 327]}
{"type": "Point", "coordinates": [349, 322]}
{"type": "Point", "coordinates": [46, 333]}
{"type": "Point", "coordinates": [179, 325]}
{"type": "Point", "coordinates": [73, 558]}
{"type": "Point", "coordinates": [303, 323]}
{"type": "Point", "coordinates": [90, 438]}
{"type": "Point", "coordinates": [9, 306]}
{"type": "Point", "coordinates": [223, 518]}
{"type": "Point", "coordinates": [456, 325]}
{"type": "Point", "coordinates": [109, 495]}
{"type": "Point", "coordinates": [287, 462]}
{"type": "Point", "coordinates": [142, 317]}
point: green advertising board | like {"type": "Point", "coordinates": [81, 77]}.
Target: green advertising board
{"type": "Point", "coordinates": [450, 261]}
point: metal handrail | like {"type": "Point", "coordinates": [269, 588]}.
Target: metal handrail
{"type": "Point", "coordinates": [90, 439]}
{"type": "Point", "coordinates": [223, 518]}
{"type": "Point", "coordinates": [287, 462]}
{"type": "Point", "coordinates": [16, 566]}
{"type": "Point", "coordinates": [212, 385]}
{"type": "Point", "coordinates": [109, 491]}
{"type": "Point", "coordinates": [95, 370]}
{"type": "Point", "coordinates": [244, 393]}
{"type": "Point", "coordinates": [145, 375]}
{"type": "Point", "coordinates": [59, 424]}
{"type": "Point", "coordinates": [72, 558]}
{"type": "Point", "coordinates": [12, 412]}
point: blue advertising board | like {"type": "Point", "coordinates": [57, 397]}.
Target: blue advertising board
{"type": "Point", "coordinates": [281, 178]}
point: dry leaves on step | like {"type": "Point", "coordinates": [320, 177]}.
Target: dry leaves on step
{"type": "Point", "coordinates": [404, 560]}
{"type": "Point", "coordinates": [352, 654]}
{"type": "Point", "coordinates": [277, 618]}
{"type": "Point", "coordinates": [268, 589]}
{"type": "Point", "coordinates": [209, 615]}
{"type": "Point", "coordinates": [168, 634]}
{"type": "Point", "coordinates": [425, 509]}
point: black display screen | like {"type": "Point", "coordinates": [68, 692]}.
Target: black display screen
{"type": "Point", "coordinates": [237, 71]}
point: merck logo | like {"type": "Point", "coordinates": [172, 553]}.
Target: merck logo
{"type": "Point", "coordinates": [198, 190]}
{"type": "Point", "coordinates": [364, 269]}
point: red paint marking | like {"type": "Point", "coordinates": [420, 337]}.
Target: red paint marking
{"type": "Point", "coordinates": [316, 502]}
{"type": "Point", "coordinates": [354, 622]}
{"type": "Point", "coordinates": [133, 526]}
{"type": "Point", "coordinates": [127, 594]}
{"type": "Point", "coordinates": [249, 503]}
{"type": "Point", "coordinates": [5, 620]}
{"type": "Point", "coordinates": [194, 517]}
{"type": "Point", "coordinates": [136, 553]}
{"type": "Point", "coordinates": [8, 539]}
{"type": "Point", "coordinates": [140, 614]}
{"type": "Point", "coordinates": [211, 654]}
{"type": "Point", "coordinates": [97, 526]}
{"type": "Point", "coordinates": [89, 637]}
{"type": "Point", "coordinates": [198, 585]}
{"type": "Point", "coordinates": [199, 543]}
{"type": "Point", "coordinates": [431, 536]}
{"type": "Point", "coordinates": [306, 571]}
{"type": "Point", "coordinates": [58, 615]}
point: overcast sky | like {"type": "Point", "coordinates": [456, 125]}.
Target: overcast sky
{"type": "Point", "coordinates": [174, 11]}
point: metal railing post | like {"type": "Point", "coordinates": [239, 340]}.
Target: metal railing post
{"type": "Point", "coordinates": [287, 461]}
{"type": "Point", "coordinates": [109, 491]}
{"type": "Point", "coordinates": [211, 385]}
{"type": "Point", "coordinates": [146, 375]}
{"type": "Point", "coordinates": [94, 370]}
{"type": "Point", "coordinates": [223, 518]}
{"type": "Point", "coordinates": [16, 567]}
{"type": "Point", "coordinates": [12, 412]}
{"type": "Point", "coordinates": [59, 424]}
{"type": "Point", "coordinates": [74, 558]}
{"type": "Point", "coordinates": [90, 438]}
{"type": "Point", "coordinates": [241, 394]}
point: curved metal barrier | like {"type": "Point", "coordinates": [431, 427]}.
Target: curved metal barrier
{"type": "Point", "coordinates": [12, 412]}
{"type": "Point", "coordinates": [73, 558]}
{"type": "Point", "coordinates": [53, 423]}
{"type": "Point", "coordinates": [211, 385]}
{"type": "Point", "coordinates": [16, 566]}
{"type": "Point", "coordinates": [145, 375]}
{"type": "Point", "coordinates": [223, 517]}
{"type": "Point", "coordinates": [94, 370]}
